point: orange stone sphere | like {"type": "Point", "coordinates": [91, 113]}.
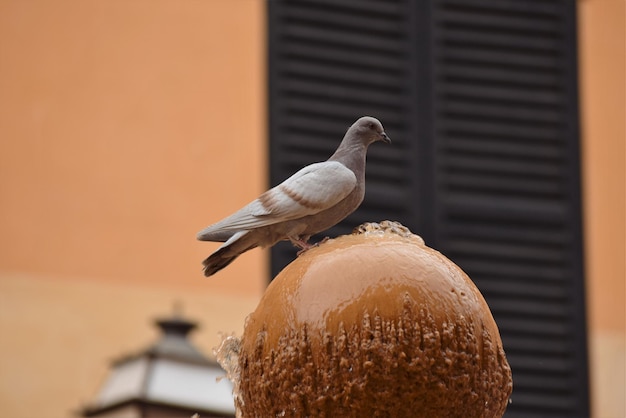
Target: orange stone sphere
{"type": "Point", "coordinates": [373, 324]}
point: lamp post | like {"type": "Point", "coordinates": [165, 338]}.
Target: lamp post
{"type": "Point", "coordinates": [170, 378]}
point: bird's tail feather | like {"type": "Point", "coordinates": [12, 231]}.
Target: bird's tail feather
{"type": "Point", "coordinates": [226, 254]}
{"type": "Point", "coordinates": [215, 262]}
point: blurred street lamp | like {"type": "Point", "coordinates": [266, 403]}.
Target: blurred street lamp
{"type": "Point", "coordinates": [170, 379]}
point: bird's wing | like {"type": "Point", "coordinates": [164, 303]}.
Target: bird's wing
{"type": "Point", "coordinates": [311, 190]}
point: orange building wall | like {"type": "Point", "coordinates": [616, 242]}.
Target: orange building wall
{"type": "Point", "coordinates": [602, 57]}
{"type": "Point", "coordinates": [126, 126]}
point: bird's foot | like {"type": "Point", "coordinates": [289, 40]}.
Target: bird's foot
{"type": "Point", "coordinates": [308, 246]}
{"type": "Point", "coordinates": [303, 244]}
{"type": "Point", "coordinates": [303, 250]}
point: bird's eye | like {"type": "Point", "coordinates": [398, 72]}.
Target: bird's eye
{"type": "Point", "coordinates": [371, 125]}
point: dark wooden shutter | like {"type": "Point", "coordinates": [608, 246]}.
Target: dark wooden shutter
{"type": "Point", "coordinates": [330, 63]}
{"type": "Point", "coordinates": [480, 100]}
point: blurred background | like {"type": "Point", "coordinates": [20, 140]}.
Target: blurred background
{"type": "Point", "coordinates": [127, 126]}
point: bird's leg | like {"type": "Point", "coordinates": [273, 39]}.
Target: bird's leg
{"type": "Point", "coordinates": [301, 242]}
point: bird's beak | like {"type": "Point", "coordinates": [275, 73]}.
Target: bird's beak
{"type": "Point", "coordinates": [385, 138]}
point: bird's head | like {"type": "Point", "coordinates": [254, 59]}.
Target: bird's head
{"type": "Point", "coordinates": [370, 130]}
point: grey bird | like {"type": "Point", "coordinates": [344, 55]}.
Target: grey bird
{"type": "Point", "coordinates": [312, 200]}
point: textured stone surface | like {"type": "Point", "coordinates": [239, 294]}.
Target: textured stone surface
{"type": "Point", "coordinates": [372, 324]}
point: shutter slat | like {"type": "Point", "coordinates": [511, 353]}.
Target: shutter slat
{"type": "Point", "coordinates": [540, 346]}
{"type": "Point", "coordinates": [340, 75]}
{"type": "Point", "coordinates": [501, 94]}
{"type": "Point", "coordinates": [459, 36]}
{"type": "Point", "coordinates": [502, 130]}
{"type": "Point", "coordinates": [302, 14]}
{"type": "Point", "coordinates": [551, 383]}
{"type": "Point", "coordinates": [502, 186]}
{"type": "Point", "coordinates": [504, 58]}
{"type": "Point", "coordinates": [538, 307]}
{"type": "Point", "coordinates": [459, 70]}
{"type": "Point", "coordinates": [523, 288]}
{"type": "Point", "coordinates": [556, 364]}
{"type": "Point", "coordinates": [544, 170]}
{"type": "Point", "coordinates": [532, 327]}
{"type": "Point", "coordinates": [508, 270]}
{"type": "Point", "coordinates": [532, 9]}
{"type": "Point", "coordinates": [512, 114]}
{"type": "Point", "coordinates": [505, 207]}
{"type": "Point", "coordinates": [349, 58]}
{"type": "Point", "coordinates": [510, 232]}
{"type": "Point", "coordinates": [312, 123]}
{"type": "Point", "coordinates": [328, 36]}
{"type": "Point", "coordinates": [344, 110]}
{"type": "Point", "coordinates": [547, 404]}
{"type": "Point", "coordinates": [497, 22]}
{"type": "Point", "coordinates": [474, 144]}
{"type": "Point", "coordinates": [386, 9]}
{"type": "Point", "coordinates": [313, 88]}
{"type": "Point", "coordinates": [517, 253]}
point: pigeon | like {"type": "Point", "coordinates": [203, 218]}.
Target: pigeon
{"type": "Point", "coordinates": [312, 200]}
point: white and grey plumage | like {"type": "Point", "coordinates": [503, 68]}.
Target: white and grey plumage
{"type": "Point", "coordinates": [312, 200]}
